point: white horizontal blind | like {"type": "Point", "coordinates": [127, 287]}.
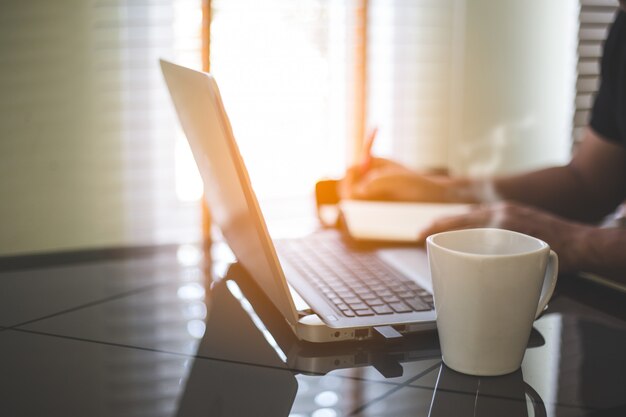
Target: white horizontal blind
{"type": "Point", "coordinates": [596, 17]}
{"type": "Point", "coordinates": [88, 136]}
{"type": "Point", "coordinates": [283, 68]}
{"type": "Point", "coordinates": [409, 62]}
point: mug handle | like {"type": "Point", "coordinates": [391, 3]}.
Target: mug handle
{"type": "Point", "coordinates": [549, 282]}
{"type": "Point", "coordinates": [538, 405]}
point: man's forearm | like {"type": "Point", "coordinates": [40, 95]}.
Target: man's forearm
{"type": "Point", "coordinates": [553, 189]}
{"type": "Point", "coordinates": [602, 252]}
{"type": "Point", "coordinates": [586, 189]}
{"type": "Point", "coordinates": [559, 190]}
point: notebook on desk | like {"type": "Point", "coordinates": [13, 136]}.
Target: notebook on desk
{"type": "Point", "coordinates": [348, 294]}
{"type": "Point", "coordinates": [378, 221]}
{"type": "Point", "coordinates": [393, 221]}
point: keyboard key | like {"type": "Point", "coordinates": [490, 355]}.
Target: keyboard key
{"type": "Point", "coordinates": [382, 309]}
{"type": "Point", "coordinates": [375, 302]}
{"type": "Point", "coordinates": [417, 304]}
{"type": "Point", "coordinates": [400, 307]}
{"type": "Point", "coordinates": [406, 294]}
{"type": "Point", "coordinates": [398, 287]}
{"type": "Point", "coordinates": [361, 289]}
{"type": "Point", "coordinates": [364, 312]}
{"type": "Point", "coordinates": [347, 313]}
{"type": "Point", "coordinates": [387, 279]}
{"type": "Point", "coordinates": [342, 306]}
{"type": "Point", "coordinates": [345, 293]}
{"type": "Point", "coordinates": [350, 300]}
{"type": "Point", "coordinates": [358, 306]}
{"type": "Point", "coordinates": [368, 296]}
{"type": "Point", "coordinates": [391, 299]}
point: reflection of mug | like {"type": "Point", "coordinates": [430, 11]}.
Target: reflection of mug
{"type": "Point", "coordinates": [487, 285]}
{"type": "Point", "coordinates": [457, 394]}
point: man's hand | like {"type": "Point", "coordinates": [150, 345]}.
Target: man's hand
{"type": "Point", "coordinates": [388, 180]}
{"type": "Point", "coordinates": [563, 236]}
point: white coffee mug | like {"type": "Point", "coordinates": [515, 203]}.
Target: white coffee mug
{"type": "Point", "coordinates": [489, 286]}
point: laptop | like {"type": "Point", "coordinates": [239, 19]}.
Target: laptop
{"type": "Point", "coordinates": [316, 358]}
{"type": "Point", "coordinates": [341, 294]}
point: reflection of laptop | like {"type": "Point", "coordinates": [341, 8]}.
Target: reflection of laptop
{"type": "Point", "coordinates": [350, 295]}
{"type": "Point", "coordinates": [262, 369]}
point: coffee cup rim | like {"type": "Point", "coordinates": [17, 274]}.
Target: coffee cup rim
{"type": "Point", "coordinates": [543, 246]}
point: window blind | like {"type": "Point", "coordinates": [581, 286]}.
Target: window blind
{"type": "Point", "coordinates": [409, 60]}
{"type": "Point", "coordinates": [595, 19]}
{"type": "Point", "coordinates": [87, 131]}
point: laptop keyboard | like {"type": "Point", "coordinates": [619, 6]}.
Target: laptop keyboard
{"type": "Point", "coordinates": [357, 283]}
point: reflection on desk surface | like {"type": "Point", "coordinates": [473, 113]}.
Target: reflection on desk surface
{"type": "Point", "coordinates": [171, 342]}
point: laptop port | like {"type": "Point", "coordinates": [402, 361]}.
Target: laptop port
{"type": "Point", "coordinates": [361, 333]}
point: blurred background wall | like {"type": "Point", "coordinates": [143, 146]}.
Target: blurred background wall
{"type": "Point", "coordinates": [88, 141]}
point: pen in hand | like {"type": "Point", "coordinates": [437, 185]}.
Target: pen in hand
{"type": "Point", "coordinates": [366, 157]}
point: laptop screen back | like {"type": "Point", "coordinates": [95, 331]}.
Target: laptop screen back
{"type": "Point", "coordinates": [227, 188]}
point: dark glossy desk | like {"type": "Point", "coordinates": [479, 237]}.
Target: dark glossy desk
{"type": "Point", "coordinates": [163, 331]}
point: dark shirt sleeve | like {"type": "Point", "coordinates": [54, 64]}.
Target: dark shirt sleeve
{"type": "Point", "coordinates": [604, 114]}
{"type": "Point", "coordinates": [603, 118]}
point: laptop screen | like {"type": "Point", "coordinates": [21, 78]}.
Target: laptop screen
{"type": "Point", "coordinates": [227, 188]}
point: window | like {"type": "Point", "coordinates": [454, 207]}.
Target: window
{"type": "Point", "coordinates": [411, 54]}
{"type": "Point", "coordinates": [284, 70]}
